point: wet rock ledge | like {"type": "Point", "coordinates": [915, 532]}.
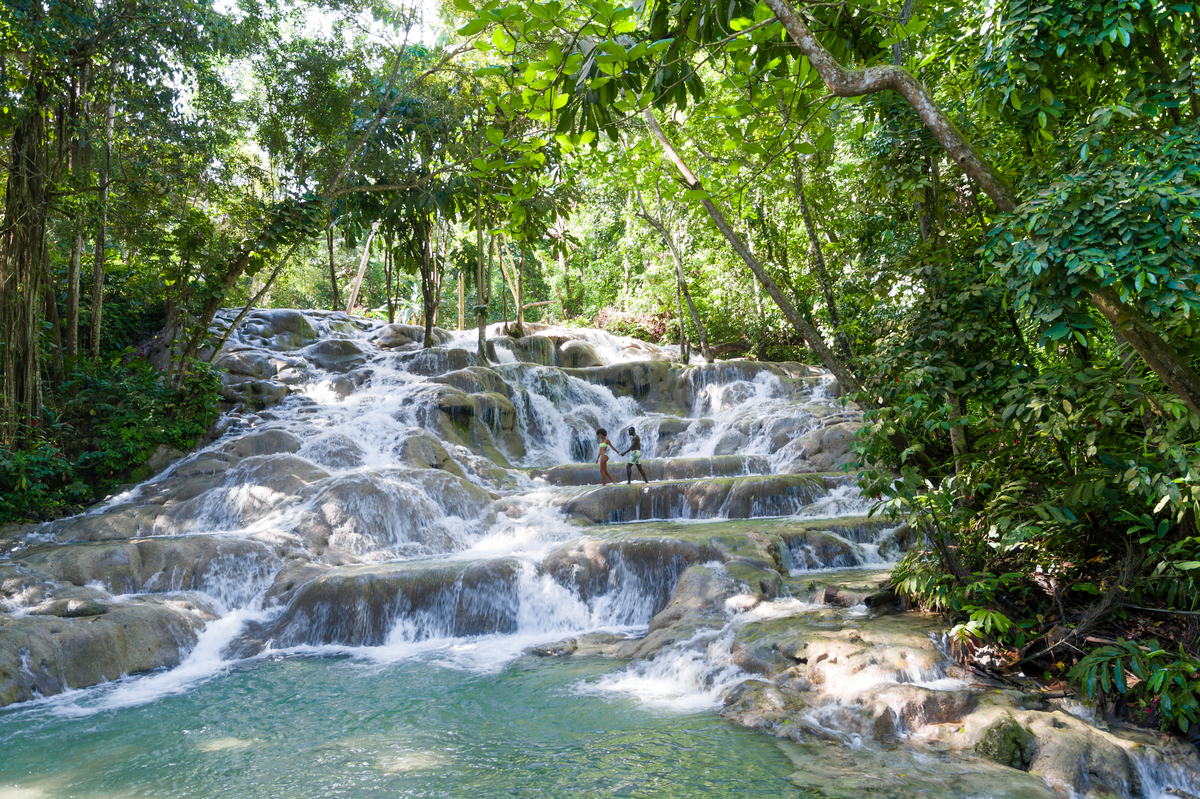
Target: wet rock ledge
{"type": "Point", "coordinates": [829, 655]}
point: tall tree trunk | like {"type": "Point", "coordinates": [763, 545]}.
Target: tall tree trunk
{"type": "Point", "coordinates": [844, 376]}
{"type": "Point", "coordinates": [462, 302]}
{"type": "Point", "coordinates": [332, 267]}
{"type": "Point", "coordinates": [362, 266]}
{"type": "Point", "coordinates": [818, 261]}
{"type": "Point", "coordinates": [840, 82]}
{"type": "Point", "coordinates": [56, 365]}
{"type": "Point", "coordinates": [110, 113]}
{"type": "Point", "coordinates": [22, 240]}
{"type": "Point", "coordinates": [389, 264]}
{"type": "Point", "coordinates": [481, 291]}
{"type": "Point", "coordinates": [685, 355]}
{"type": "Point", "coordinates": [660, 225]}
{"type": "Point", "coordinates": [427, 263]}
{"type": "Point", "coordinates": [521, 291]}
{"type": "Point", "coordinates": [80, 171]}
{"type": "Point", "coordinates": [73, 269]}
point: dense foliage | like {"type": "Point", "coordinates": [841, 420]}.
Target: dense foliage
{"type": "Point", "coordinates": [984, 217]}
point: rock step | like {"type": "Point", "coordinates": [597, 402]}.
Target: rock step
{"type": "Point", "coordinates": [658, 469]}
{"type": "Point", "coordinates": [462, 598]}
{"type": "Point", "coordinates": [704, 498]}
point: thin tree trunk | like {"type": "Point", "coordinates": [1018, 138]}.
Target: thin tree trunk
{"type": "Point", "coordinates": [508, 271]}
{"type": "Point", "coordinates": [80, 169]}
{"type": "Point", "coordinates": [333, 283]}
{"type": "Point", "coordinates": [841, 82]}
{"type": "Point", "coordinates": [818, 261]}
{"type": "Point", "coordinates": [684, 350]}
{"type": "Point", "coordinates": [389, 265]}
{"type": "Point", "coordinates": [680, 280]}
{"type": "Point", "coordinates": [462, 302]}
{"type": "Point", "coordinates": [102, 232]}
{"type": "Point", "coordinates": [362, 266]}
{"type": "Point", "coordinates": [481, 290]}
{"type": "Point", "coordinates": [958, 431]}
{"type": "Point", "coordinates": [844, 376]}
{"type": "Point", "coordinates": [56, 368]}
{"type": "Point", "coordinates": [521, 291]}
{"type": "Point", "coordinates": [426, 262]}
{"type": "Point", "coordinates": [73, 269]}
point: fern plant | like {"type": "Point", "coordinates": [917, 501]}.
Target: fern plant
{"type": "Point", "coordinates": [1158, 680]}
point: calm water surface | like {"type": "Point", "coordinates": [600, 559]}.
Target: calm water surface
{"type": "Point", "coordinates": [317, 727]}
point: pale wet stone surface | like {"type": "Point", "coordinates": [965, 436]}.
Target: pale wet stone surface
{"type": "Point", "coordinates": [351, 505]}
{"type": "Point", "coordinates": [45, 655]}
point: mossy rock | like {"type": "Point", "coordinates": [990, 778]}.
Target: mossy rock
{"type": "Point", "coordinates": [1006, 742]}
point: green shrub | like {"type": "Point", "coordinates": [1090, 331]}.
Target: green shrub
{"type": "Point", "coordinates": [110, 417]}
{"type": "Point", "coordinates": [1162, 683]}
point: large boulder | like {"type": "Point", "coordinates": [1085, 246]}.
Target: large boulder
{"type": "Point", "coordinates": [334, 451]}
{"type": "Point", "coordinates": [814, 549]}
{"type": "Point", "coordinates": [248, 362]}
{"type": "Point", "coordinates": [395, 336]}
{"type": "Point", "coordinates": [362, 605]}
{"type": "Point", "coordinates": [644, 570]}
{"type": "Point", "coordinates": [232, 569]}
{"type": "Point", "coordinates": [409, 512]}
{"type": "Point", "coordinates": [438, 361]}
{"type": "Point", "coordinates": [576, 354]}
{"type": "Point", "coordinates": [249, 492]}
{"type": "Point", "coordinates": [476, 380]}
{"type": "Point", "coordinates": [44, 655]}
{"type": "Point", "coordinates": [127, 521]}
{"type": "Point", "coordinates": [267, 441]}
{"type": "Point", "coordinates": [648, 382]}
{"type": "Point", "coordinates": [278, 329]}
{"type": "Point", "coordinates": [336, 355]}
{"type": "Point", "coordinates": [251, 392]}
{"type": "Point", "coordinates": [421, 450]}
{"type": "Point", "coordinates": [829, 448]}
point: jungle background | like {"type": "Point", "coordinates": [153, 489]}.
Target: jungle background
{"type": "Point", "coordinates": [982, 217]}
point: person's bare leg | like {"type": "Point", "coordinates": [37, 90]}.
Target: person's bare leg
{"type": "Point", "coordinates": [643, 472]}
{"type": "Point", "coordinates": [629, 473]}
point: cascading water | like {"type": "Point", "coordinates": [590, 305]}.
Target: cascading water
{"type": "Point", "coordinates": [426, 511]}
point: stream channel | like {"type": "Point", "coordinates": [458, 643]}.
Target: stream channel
{"type": "Point", "coordinates": [393, 572]}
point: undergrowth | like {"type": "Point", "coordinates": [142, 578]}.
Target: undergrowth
{"type": "Point", "coordinates": [107, 417]}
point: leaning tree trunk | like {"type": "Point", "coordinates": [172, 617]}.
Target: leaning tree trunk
{"type": "Point", "coordinates": [818, 261]}
{"type": "Point", "coordinates": [680, 279]}
{"type": "Point", "coordinates": [1173, 370]}
{"type": "Point", "coordinates": [844, 376]}
{"type": "Point", "coordinates": [22, 240]}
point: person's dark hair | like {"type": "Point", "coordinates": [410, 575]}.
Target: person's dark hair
{"type": "Point", "coordinates": [632, 432]}
{"type": "Point", "coordinates": [600, 431]}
